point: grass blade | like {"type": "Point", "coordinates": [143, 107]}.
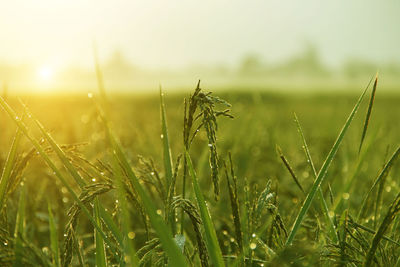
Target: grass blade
{"type": "Point", "coordinates": [324, 206]}
{"type": "Point", "coordinates": [289, 168]}
{"type": "Point", "coordinates": [101, 260]}
{"type": "Point", "coordinates": [368, 115]}
{"type": "Point", "coordinates": [167, 150]}
{"type": "Point", "coordinates": [60, 153]}
{"type": "Point", "coordinates": [176, 258]}
{"type": "Point", "coordinates": [20, 228]}
{"type": "Point", "coordinates": [382, 175]}
{"type": "Point", "coordinates": [392, 212]}
{"type": "Point", "coordinates": [111, 225]}
{"type": "Point", "coordinates": [54, 245]}
{"type": "Point", "coordinates": [322, 173]}
{"type": "Point", "coordinates": [168, 165]}
{"type": "Point", "coordinates": [338, 204]}
{"type": "Point", "coordinates": [213, 247]}
{"type": "Point", "coordinates": [6, 174]}
{"type": "Point", "coordinates": [56, 171]}
{"type": "Point", "coordinates": [169, 245]}
{"type": "Point", "coordinates": [131, 257]}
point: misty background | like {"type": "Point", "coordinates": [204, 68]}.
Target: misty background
{"type": "Point", "coordinates": [47, 46]}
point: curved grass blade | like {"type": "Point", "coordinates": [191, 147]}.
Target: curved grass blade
{"type": "Point", "coordinates": [60, 153]}
{"type": "Point", "coordinates": [212, 244]}
{"type": "Point", "coordinates": [7, 171]}
{"type": "Point", "coordinates": [368, 115]}
{"type": "Point", "coordinates": [54, 245]}
{"type": "Point", "coordinates": [323, 171]}
{"type": "Point", "coordinates": [11, 113]}
{"type": "Point", "coordinates": [324, 206]}
{"type": "Point", "coordinates": [169, 245]}
{"type": "Point", "coordinates": [101, 260]}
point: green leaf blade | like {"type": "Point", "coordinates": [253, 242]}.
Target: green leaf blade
{"type": "Point", "coordinates": [213, 247]}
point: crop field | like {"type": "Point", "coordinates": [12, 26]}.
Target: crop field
{"type": "Point", "coordinates": [201, 178]}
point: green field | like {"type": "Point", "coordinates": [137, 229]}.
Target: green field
{"type": "Point", "coordinates": [113, 154]}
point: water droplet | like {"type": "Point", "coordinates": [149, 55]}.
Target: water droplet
{"type": "Point", "coordinates": [131, 235]}
{"type": "Point", "coordinates": [253, 235]}
{"type": "Point", "coordinates": [152, 173]}
{"type": "Point", "coordinates": [162, 136]}
{"type": "Point", "coordinates": [90, 95]}
{"type": "Point", "coordinates": [225, 232]}
{"type": "Point", "coordinates": [93, 179]}
{"type": "Point", "coordinates": [210, 145]}
{"type": "Point", "coordinates": [232, 239]}
{"type": "Point", "coordinates": [253, 246]}
{"type": "Point", "coordinates": [346, 196]}
{"type": "Point", "coordinates": [159, 212]}
{"type": "Point", "coordinates": [116, 201]}
{"type": "Point", "coordinates": [127, 259]}
{"type": "Point", "coordinates": [331, 214]}
{"type": "Point", "coordinates": [37, 153]}
{"type": "Point", "coordinates": [65, 235]}
{"type": "Point", "coordinates": [388, 189]}
{"type": "Point", "coordinates": [65, 199]}
{"type": "Point", "coordinates": [17, 118]}
{"type": "Point", "coordinates": [102, 173]}
{"type": "Point", "coordinates": [5, 243]}
{"type": "Point", "coordinates": [21, 183]}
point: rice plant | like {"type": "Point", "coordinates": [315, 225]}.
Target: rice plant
{"type": "Point", "coordinates": [193, 202]}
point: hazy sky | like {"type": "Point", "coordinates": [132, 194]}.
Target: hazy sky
{"type": "Point", "coordinates": [163, 33]}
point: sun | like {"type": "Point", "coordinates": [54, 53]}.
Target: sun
{"type": "Point", "coordinates": [45, 73]}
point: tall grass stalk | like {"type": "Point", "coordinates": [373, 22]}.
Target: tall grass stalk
{"type": "Point", "coordinates": [169, 245]}
{"type": "Point", "coordinates": [323, 171]}
{"type": "Point", "coordinates": [324, 206]}
{"type": "Point", "coordinates": [168, 166]}
{"type": "Point", "coordinates": [7, 170]}
{"type": "Point", "coordinates": [212, 244]}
